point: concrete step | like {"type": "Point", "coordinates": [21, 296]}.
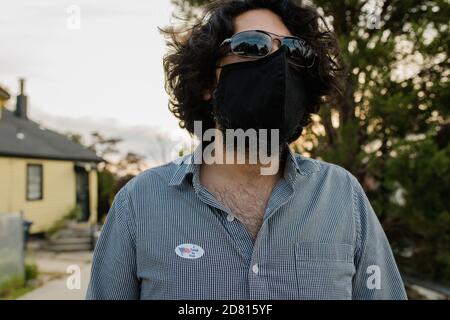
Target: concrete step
{"type": "Point", "coordinates": [74, 237]}
{"type": "Point", "coordinates": [72, 233]}
{"type": "Point", "coordinates": [77, 240]}
{"type": "Point", "coordinates": [69, 247]}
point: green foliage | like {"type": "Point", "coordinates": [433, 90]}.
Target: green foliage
{"type": "Point", "coordinates": [10, 285]}
{"type": "Point", "coordinates": [111, 175]}
{"type": "Point", "coordinates": [106, 181]}
{"type": "Point", "coordinates": [31, 271]}
{"type": "Point", "coordinates": [18, 284]}
{"type": "Point", "coordinates": [72, 215]}
{"type": "Point", "coordinates": [191, 3]}
{"type": "Point", "coordinates": [392, 129]}
{"type": "Point", "coordinates": [424, 218]}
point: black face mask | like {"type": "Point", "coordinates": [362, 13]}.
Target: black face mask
{"type": "Point", "coordinates": [266, 93]}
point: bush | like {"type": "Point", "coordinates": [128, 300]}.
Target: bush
{"type": "Point", "coordinates": [31, 271]}
{"type": "Point", "coordinates": [72, 215]}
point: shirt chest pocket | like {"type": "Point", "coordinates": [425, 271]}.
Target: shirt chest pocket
{"type": "Point", "coordinates": [324, 270]}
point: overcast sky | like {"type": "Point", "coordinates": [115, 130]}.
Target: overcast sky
{"type": "Point", "coordinates": [109, 70]}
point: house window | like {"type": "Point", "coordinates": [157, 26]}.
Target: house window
{"type": "Point", "coordinates": [34, 182]}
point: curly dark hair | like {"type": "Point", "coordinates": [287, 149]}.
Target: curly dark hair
{"type": "Point", "coordinates": [194, 51]}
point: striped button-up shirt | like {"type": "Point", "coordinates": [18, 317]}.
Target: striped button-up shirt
{"type": "Point", "coordinates": [167, 237]}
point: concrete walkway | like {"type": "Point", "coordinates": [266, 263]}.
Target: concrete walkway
{"type": "Point", "coordinates": [56, 270]}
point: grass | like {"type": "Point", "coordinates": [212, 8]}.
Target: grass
{"type": "Point", "coordinates": [18, 293]}
{"type": "Point", "coordinates": [18, 285]}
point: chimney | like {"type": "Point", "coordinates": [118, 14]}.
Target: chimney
{"type": "Point", "coordinates": [21, 103]}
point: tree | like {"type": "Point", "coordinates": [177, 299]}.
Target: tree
{"type": "Point", "coordinates": [105, 147]}
{"type": "Point", "coordinates": [392, 128]}
{"type": "Point", "coordinates": [112, 175]}
{"type": "Point", "coordinates": [131, 164]}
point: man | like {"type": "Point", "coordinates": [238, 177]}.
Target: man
{"type": "Point", "coordinates": [224, 230]}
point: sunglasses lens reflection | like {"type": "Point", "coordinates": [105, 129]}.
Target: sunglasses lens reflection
{"type": "Point", "coordinates": [251, 44]}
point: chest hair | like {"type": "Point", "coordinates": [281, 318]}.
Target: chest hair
{"type": "Point", "coordinates": [247, 204]}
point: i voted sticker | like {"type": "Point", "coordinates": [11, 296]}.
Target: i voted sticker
{"type": "Point", "coordinates": [189, 251]}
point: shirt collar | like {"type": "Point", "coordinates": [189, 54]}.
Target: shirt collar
{"type": "Point", "coordinates": [303, 165]}
{"type": "Point", "coordinates": [295, 164]}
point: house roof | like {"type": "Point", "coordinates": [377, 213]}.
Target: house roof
{"type": "Point", "coordinates": [4, 94]}
{"type": "Point", "coordinates": [25, 138]}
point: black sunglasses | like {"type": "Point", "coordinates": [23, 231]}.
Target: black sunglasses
{"type": "Point", "coordinates": [256, 44]}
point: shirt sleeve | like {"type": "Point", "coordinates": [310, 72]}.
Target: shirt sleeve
{"type": "Point", "coordinates": [377, 276]}
{"type": "Point", "coordinates": [113, 274]}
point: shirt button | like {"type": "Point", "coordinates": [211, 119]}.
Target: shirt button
{"type": "Point", "coordinates": [255, 268]}
{"type": "Point", "coordinates": [230, 217]}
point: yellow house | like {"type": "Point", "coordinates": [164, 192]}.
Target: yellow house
{"type": "Point", "coordinates": [43, 173]}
